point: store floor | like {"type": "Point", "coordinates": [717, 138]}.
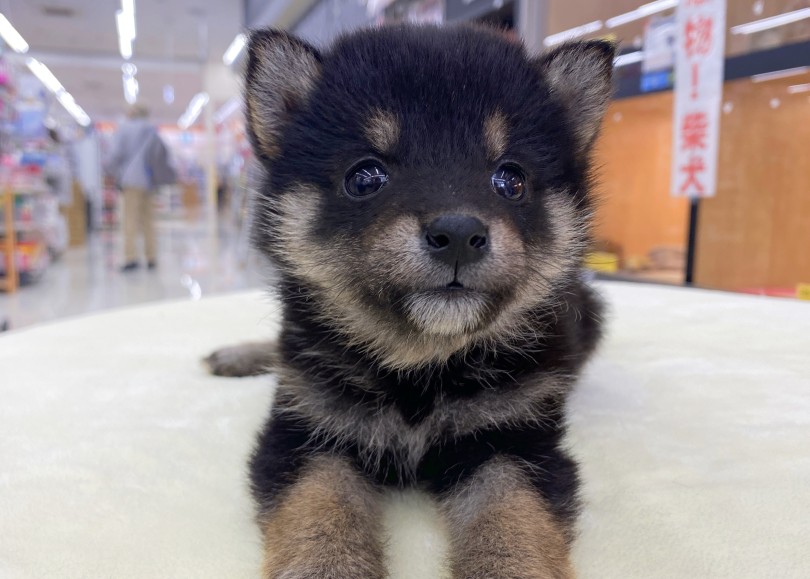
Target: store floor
{"type": "Point", "coordinates": [194, 261]}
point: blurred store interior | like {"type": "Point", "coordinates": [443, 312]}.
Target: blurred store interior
{"type": "Point", "coordinates": [71, 69]}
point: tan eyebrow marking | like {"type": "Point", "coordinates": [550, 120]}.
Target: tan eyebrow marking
{"type": "Point", "coordinates": [496, 133]}
{"type": "Point", "coordinates": [382, 130]}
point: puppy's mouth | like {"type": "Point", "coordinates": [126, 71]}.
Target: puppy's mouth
{"type": "Point", "coordinates": [449, 310]}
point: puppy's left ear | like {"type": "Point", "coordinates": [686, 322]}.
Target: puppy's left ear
{"type": "Point", "coordinates": [281, 72]}
{"type": "Point", "coordinates": [580, 75]}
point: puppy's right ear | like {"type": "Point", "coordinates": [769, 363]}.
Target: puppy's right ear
{"type": "Point", "coordinates": [280, 74]}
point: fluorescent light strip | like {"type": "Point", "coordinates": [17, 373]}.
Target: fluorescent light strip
{"type": "Point", "coordinates": [227, 110]}
{"type": "Point", "coordinates": [573, 33]}
{"type": "Point", "coordinates": [641, 12]}
{"type": "Point", "coordinates": [124, 35]}
{"type": "Point", "coordinates": [74, 109]}
{"type": "Point", "coordinates": [128, 8]}
{"type": "Point", "coordinates": [780, 74]}
{"type": "Point", "coordinates": [629, 58]}
{"type": "Point", "coordinates": [234, 49]}
{"type": "Point", "coordinates": [44, 74]}
{"type": "Point", "coordinates": [129, 71]}
{"type": "Point", "coordinates": [13, 38]}
{"type": "Point", "coordinates": [130, 89]}
{"type": "Point", "coordinates": [193, 111]}
{"type": "Point", "coordinates": [125, 24]}
{"type": "Point", "coordinates": [797, 88]}
{"type": "Point", "coordinates": [772, 22]}
{"type": "Point", "coordinates": [46, 77]}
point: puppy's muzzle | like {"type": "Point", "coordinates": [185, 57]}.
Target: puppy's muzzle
{"type": "Point", "coordinates": [457, 240]}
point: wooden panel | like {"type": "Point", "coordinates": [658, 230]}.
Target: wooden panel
{"type": "Point", "coordinates": [636, 212]}
{"type": "Point", "coordinates": [756, 232]}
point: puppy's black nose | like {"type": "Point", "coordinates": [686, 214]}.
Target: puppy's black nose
{"type": "Point", "coordinates": [457, 239]}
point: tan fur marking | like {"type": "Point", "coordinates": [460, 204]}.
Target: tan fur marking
{"type": "Point", "coordinates": [382, 131]}
{"type": "Point", "coordinates": [326, 525]}
{"type": "Point", "coordinates": [502, 528]}
{"type": "Point", "coordinates": [496, 133]}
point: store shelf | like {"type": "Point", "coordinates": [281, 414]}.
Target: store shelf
{"type": "Point", "coordinates": [33, 190]}
{"type": "Point", "coordinates": [20, 228]}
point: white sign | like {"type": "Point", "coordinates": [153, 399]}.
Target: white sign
{"type": "Point", "coordinates": [660, 36]}
{"type": "Point", "coordinates": [699, 63]}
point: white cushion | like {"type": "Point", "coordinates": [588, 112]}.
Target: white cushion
{"type": "Point", "coordinates": [120, 457]}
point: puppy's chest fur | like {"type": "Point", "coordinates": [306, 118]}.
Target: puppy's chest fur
{"type": "Point", "coordinates": [409, 427]}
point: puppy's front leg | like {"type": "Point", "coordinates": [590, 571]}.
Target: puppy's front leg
{"type": "Point", "coordinates": [327, 524]}
{"type": "Point", "coordinates": [502, 528]}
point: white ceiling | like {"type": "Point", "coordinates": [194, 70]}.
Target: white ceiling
{"type": "Point", "coordinates": [177, 39]}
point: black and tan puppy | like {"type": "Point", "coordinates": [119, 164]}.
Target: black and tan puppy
{"type": "Point", "coordinates": [427, 205]}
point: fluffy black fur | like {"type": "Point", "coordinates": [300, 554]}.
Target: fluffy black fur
{"type": "Point", "coordinates": [541, 322]}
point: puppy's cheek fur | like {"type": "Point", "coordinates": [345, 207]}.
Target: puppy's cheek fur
{"type": "Point", "coordinates": [558, 257]}
{"type": "Point", "coordinates": [327, 267]}
{"type": "Point", "coordinates": [391, 255]}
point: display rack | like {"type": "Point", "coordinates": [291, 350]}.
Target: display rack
{"type": "Point", "coordinates": [23, 253]}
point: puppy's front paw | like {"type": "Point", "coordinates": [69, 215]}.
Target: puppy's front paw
{"type": "Point", "coordinates": [222, 362]}
{"type": "Point", "coordinates": [250, 359]}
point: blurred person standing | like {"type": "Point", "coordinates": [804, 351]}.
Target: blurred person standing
{"type": "Point", "coordinates": [139, 163]}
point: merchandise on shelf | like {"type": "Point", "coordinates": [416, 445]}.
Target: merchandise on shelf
{"type": "Point", "coordinates": [38, 227]}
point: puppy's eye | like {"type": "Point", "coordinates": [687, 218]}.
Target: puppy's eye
{"type": "Point", "coordinates": [366, 180]}
{"type": "Point", "coordinates": [508, 182]}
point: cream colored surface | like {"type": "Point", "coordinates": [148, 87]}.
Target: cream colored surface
{"type": "Point", "coordinates": [120, 457]}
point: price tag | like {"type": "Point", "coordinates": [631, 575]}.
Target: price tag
{"type": "Point", "coordinates": [803, 291]}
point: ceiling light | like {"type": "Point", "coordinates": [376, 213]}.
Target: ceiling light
{"type": "Point", "coordinates": [168, 94]}
{"type": "Point", "coordinates": [780, 74]}
{"type": "Point", "coordinates": [124, 38]}
{"type": "Point", "coordinates": [235, 49]}
{"type": "Point", "coordinates": [641, 12]}
{"type": "Point", "coordinates": [573, 33]}
{"type": "Point", "coordinates": [797, 88]}
{"type": "Point", "coordinates": [46, 77]}
{"type": "Point", "coordinates": [13, 38]}
{"type": "Point", "coordinates": [125, 23]}
{"type": "Point", "coordinates": [629, 58]}
{"type": "Point", "coordinates": [128, 8]}
{"type": "Point", "coordinates": [130, 89]}
{"type": "Point", "coordinates": [44, 74]}
{"type": "Point", "coordinates": [226, 110]}
{"type": "Point", "coordinates": [74, 109]}
{"type": "Point", "coordinates": [129, 71]}
{"type": "Point", "coordinates": [772, 22]}
{"type": "Point", "coordinates": [193, 111]}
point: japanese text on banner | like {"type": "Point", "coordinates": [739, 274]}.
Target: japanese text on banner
{"type": "Point", "coordinates": [698, 93]}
